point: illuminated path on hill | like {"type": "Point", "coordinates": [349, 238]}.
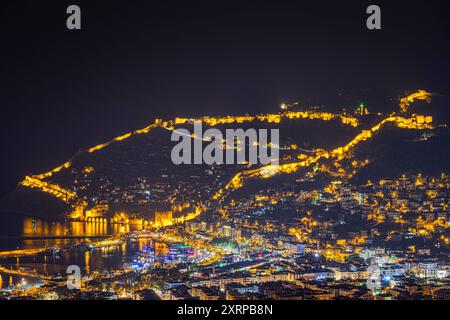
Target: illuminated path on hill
{"type": "Point", "coordinates": [70, 197]}
{"type": "Point", "coordinates": [417, 122]}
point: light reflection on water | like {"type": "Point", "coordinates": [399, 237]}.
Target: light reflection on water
{"type": "Point", "coordinates": [24, 232]}
{"type": "Point", "coordinates": [14, 228]}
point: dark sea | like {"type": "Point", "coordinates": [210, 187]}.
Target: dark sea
{"type": "Point", "coordinates": [20, 232]}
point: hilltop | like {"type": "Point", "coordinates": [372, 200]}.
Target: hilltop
{"type": "Point", "coordinates": [133, 173]}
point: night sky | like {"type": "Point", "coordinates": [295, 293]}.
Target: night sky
{"type": "Point", "coordinates": [133, 61]}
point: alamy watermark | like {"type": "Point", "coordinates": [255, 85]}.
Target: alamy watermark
{"type": "Point", "coordinates": [74, 277]}
{"type": "Point", "coordinates": [73, 21]}
{"type": "Point", "coordinates": [374, 20]}
{"type": "Point", "coordinates": [238, 146]}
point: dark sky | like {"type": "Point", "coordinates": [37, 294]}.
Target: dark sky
{"type": "Point", "coordinates": [133, 61]}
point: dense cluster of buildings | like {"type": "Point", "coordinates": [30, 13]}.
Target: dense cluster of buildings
{"type": "Point", "coordinates": [384, 240]}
